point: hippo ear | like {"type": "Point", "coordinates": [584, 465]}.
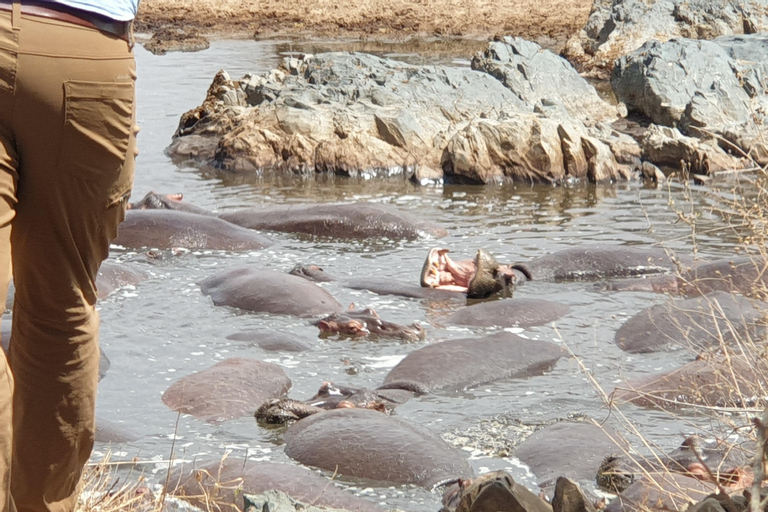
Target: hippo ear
{"type": "Point", "coordinates": [351, 306]}
{"type": "Point", "coordinates": [175, 197]}
{"type": "Point", "coordinates": [324, 326]}
{"type": "Point", "coordinates": [359, 328]}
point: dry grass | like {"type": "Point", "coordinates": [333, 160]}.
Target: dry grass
{"type": "Point", "coordinates": [104, 491]}
{"type": "Point", "coordinates": [556, 19]}
{"type": "Point", "coordinates": [738, 212]}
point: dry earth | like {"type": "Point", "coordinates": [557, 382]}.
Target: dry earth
{"type": "Point", "coordinates": [538, 20]}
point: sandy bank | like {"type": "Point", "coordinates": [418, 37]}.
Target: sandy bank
{"type": "Point", "coordinates": [532, 19]}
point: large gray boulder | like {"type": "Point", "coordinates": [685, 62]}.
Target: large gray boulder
{"type": "Point", "coordinates": [357, 114]}
{"type": "Point", "coordinates": [538, 76]}
{"type": "Point", "coordinates": [706, 89]}
{"type": "Point", "coordinates": [344, 113]}
{"type": "Point", "coordinates": [618, 27]}
{"type": "Point", "coordinates": [667, 147]}
{"type": "Point", "coordinates": [528, 148]}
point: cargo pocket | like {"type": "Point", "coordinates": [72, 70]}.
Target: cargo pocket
{"type": "Point", "coordinates": [9, 43]}
{"type": "Point", "coordinates": [98, 133]}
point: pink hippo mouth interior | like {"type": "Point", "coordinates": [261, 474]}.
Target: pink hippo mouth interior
{"type": "Point", "coordinates": [441, 272]}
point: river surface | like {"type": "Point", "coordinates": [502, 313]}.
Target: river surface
{"type": "Point", "coordinates": [164, 328]}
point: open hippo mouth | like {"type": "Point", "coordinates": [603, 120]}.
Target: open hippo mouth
{"type": "Point", "coordinates": [478, 278]}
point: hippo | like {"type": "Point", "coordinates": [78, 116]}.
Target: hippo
{"type": "Point", "coordinates": [401, 289]}
{"type": "Point", "coordinates": [710, 380]}
{"type": "Point", "coordinates": [710, 460]}
{"type": "Point", "coordinates": [484, 276]}
{"type": "Point", "coordinates": [495, 491]}
{"type": "Point", "coordinates": [313, 273]}
{"type": "Point", "coordinates": [209, 479]}
{"type": "Point", "coordinates": [108, 432]}
{"type": "Point", "coordinates": [666, 491]}
{"type": "Point", "coordinates": [367, 322]}
{"type": "Point", "coordinates": [329, 396]}
{"type": "Point", "coordinates": [508, 313]}
{"type": "Point", "coordinates": [111, 277]}
{"type": "Point", "coordinates": [567, 449]}
{"type": "Point", "coordinates": [367, 444]}
{"type": "Point", "coordinates": [230, 389]}
{"type": "Point", "coordinates": [267, 291]}
{"type": "Point", "coordinates": [153, 201]}
{"type": "Point", "coordinates": [342, 221]}
{"type": "Point", "coordinates": [169, 229]}
{"type": "Point", "coordinates": [697, 323]}
{"type": "Point", "coordinates": [114, 275]}
{"type": "Point", "coordinates": [270, 340]}
{"type": "Point", "coordinates": [464, 363]}
{"type": "Point", "coordinates": [744, 275]}
{"type": "Point", "coordinates": [377, 286]}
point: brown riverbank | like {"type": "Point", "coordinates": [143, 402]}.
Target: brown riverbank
{"type": "Point", "coordinates": [378, 19]}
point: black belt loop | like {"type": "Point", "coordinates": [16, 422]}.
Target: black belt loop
{"type": "Point", "coordinates": [16, 14]}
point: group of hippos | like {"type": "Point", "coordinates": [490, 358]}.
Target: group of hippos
{"type": "Point", "coordinates": [354, 433]}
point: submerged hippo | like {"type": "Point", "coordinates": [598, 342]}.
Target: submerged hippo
{"type": "Point", "coordinates": [267, 291]}
{"type": "Point", "coordinates": [508, 313]}
{"type": "Point", "coordinates": [114, 275]}
{"type": "Point", "coordinates": [464, 363]}
{"type": "Point", "coordinates": [367, 322]}
{"type": "Point", "coordinates": [346, 221]}
{"type": "Point", "coordinates": [270, 340]}
{"type": "Point", "coordinates": [230, 389]}
{"type": "Point", "coordinates": [153, 201]}
{"type": "Point", "coordinates": [484, 276]}
{"type": "Point", "coordinates": [377, 286]}
{"type": "Point", "coordinates": [108, 432]}
{"type": "Point", "coordinates": [569, 449]}
{"type": "Point", "coordinates": [329, 396]}
{"type": "Point", "coordinates": [744, 275]}
{"type": "Point", "coordinates": [367, 444]}
{"type": "Point", "coordinates": [160, 229]}
{"type": "Point", "coordinates": [710, 380]}
{"type": "Point", "coordinates": [709, 460]}
{"type": "Point", "coordinates": [666, 491]}
{"type": "Point", "coordinates": [226, 480]}
{"type": "Point", "coordinates": [697, 323]}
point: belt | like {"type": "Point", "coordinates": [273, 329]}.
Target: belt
{"type": "Point", "coordinates": [61, 12]}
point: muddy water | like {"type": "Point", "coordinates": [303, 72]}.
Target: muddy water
{"type": "Point", "coordinates": [164, 329]}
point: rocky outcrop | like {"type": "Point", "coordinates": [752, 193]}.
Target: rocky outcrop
{"type": "Point", "coordinates": [171, 39]}
{"type": "Point", "coordinates": [667, 147]}
{"type": "Point", "coordinates": [538, 76]}
{"type": "Point", "coordinates": [709, 90]}
{"type": "Point", "coordinates": [522, 114]}
{"type": "Point", "coordinates": [617, 27]}
{"type": "Point", "coordinates": [528, 148]}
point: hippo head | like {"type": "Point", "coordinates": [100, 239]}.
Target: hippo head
{"type": "Point", "coordinates": [340, 323]}
{"type": "Point", "coordinates": [154, 201]}
{"type": "Point", "coordinates": [479, 278]}
{"type": "Point", "coordinates": [367, 322]}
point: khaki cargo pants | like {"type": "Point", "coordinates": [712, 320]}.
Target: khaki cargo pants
{"type": "Point", "coordinates": [67, 144]}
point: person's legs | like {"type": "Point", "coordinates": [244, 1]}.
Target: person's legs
{"type": "Point", "coordinates": [8, 177]}
{"type": "Point", "coordinates": [73, 127]}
